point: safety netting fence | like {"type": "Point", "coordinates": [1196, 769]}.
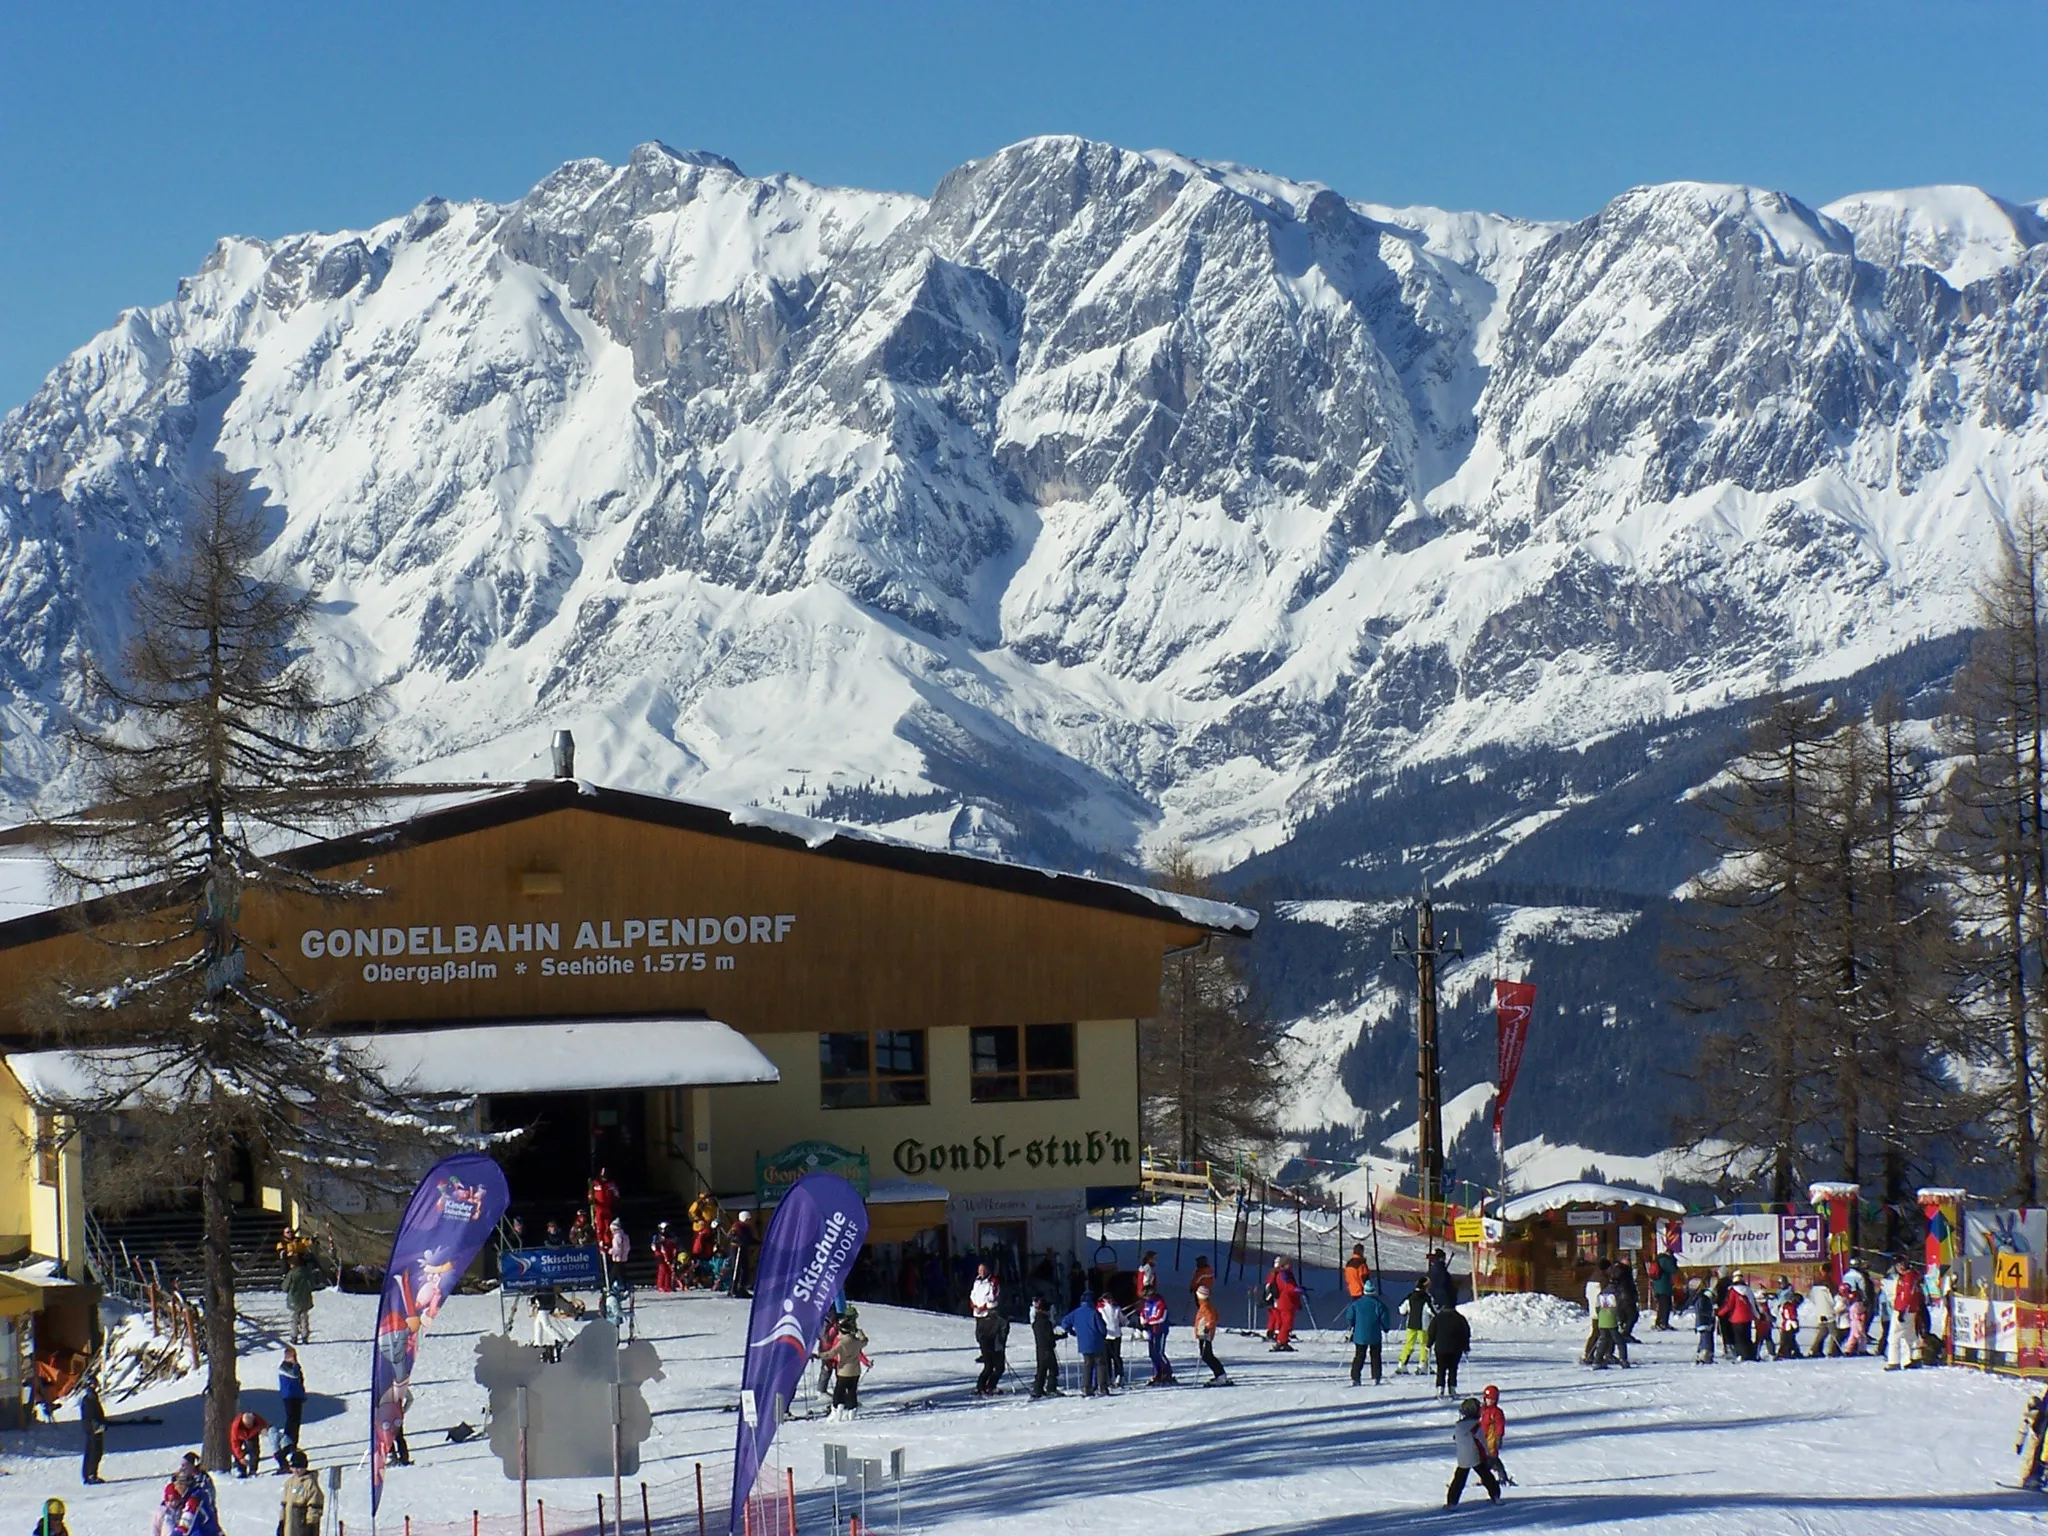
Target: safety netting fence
{"type": "Point", "coordinates": [698, 1504]}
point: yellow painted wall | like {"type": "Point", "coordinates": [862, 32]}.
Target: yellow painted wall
{"type": "Point", "coordinates": [17, 1163]}
{"type": "Point", "coordinates": [1003, 1145]}
{"type": "Point", "coordinates": [50, 1217]}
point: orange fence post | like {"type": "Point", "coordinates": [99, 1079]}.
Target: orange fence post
{"type": "Point", "coordinates": [789, 1474]}
{"type": "Point", "coordinates": [540, 1508]}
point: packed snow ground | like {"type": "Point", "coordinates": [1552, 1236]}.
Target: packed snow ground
{"type": "Point", "coordinates": [1669, 1447]}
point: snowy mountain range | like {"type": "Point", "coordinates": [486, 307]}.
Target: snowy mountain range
{"type": "Point", "coordinates": [1100, 501]}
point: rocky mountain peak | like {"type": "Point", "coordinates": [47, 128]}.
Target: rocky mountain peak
{"type": "Point", "coordinates": [1181, 492]}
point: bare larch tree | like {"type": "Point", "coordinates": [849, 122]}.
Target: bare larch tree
{"type": "Point", "coordinates": [218, 753]}
{"type": "Point", "coordinates": [1208, 1063]}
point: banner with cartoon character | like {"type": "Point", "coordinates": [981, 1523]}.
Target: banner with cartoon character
{"type": "Point", "coordinates": [812, 1241]}
{"type": "Point", "coordinates": [447, 1222]}
{"type": "Point", "coordinates": [1943, 1210]}
{"type": "Point", "coordinates": [1988, 1233]}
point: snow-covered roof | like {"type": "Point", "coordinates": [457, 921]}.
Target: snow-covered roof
{"type": "Point", "coordinates": [533, 1056]}
{"type": "Point", "coordinates": [1560, 1197]}
{"type": "Point", "coordinates": [563, 1056]}
{"type": "Point", "coordinates": [29, 900]}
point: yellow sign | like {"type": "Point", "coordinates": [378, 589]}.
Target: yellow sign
{"type": "Point", "coordinates": [2010, 1271]}
{"type": "Point", "coordinates": [1469, 1229]}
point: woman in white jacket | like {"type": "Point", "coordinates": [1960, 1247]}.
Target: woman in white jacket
{"type": "Point", "coordinates": [1112, 1341]}
{"type": "Point", "coordinates": [1822, 1300]}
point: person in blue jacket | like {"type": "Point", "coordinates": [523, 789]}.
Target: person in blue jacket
{"type": "Point", "coordinates": [1154, 1318]}
{"type": "Point", "coordinates": [1084, 1326]}
{"type": "Point", "coordinates": [291, 1391]}
{"type": "Point", "coordinates": [1368, 1319]}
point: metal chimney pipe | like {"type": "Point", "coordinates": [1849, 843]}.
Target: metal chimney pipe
{"type": "Point", "coordinates": [565, 755]}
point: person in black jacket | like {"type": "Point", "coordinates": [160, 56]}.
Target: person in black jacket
{"type": "Point", "coordinates": [1701, 1301]}
{"type": "Point", "coordinates": [1045, 1334]}
{"type": "Point", "coordinates": [1443, 1289]}
{"type": "Point", "coordinates": [1628, 1301]}
{"type": "Point", "coordinates": [992, 1333]}
{"type": "Point", "coordinates": [93, 1419]}
{"type": "Point", "coordinates": [1450, 1337]}
{"type": "Point", "coordinates": [1415, 1309]}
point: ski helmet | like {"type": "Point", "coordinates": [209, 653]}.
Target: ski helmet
{"type": "Point", "coordinates": [1469, 1409]}
{"type": "Point", "coordinates": [1490, 1393]}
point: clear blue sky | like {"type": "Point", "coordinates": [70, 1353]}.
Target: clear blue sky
{"type": "Point", "coordinates": [133, 134]}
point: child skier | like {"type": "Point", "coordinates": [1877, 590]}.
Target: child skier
{"type": "Point", "coordinates": [1859, 1323]}
{"type": "Point", "coordinates": [1286, 1307]}
{"type": "Point", "coordinates": [666, 1252]}
{"type": "Point", "coordinates": [1703, 1320]}
{"type": "Point", "coordinates": [1607, 1340]}
{"type": "Point", "coordinates": [1471, 1453]}
{"type": "Point", "coordinates": [845, 1353]}
{"type": "Point", "coordinates": [1205, 1337]}
{"type": "Point", "coordinates": [1415, 1307]}
{"type": "Point", "coordinates": [1493, 1428]}
{"type": "Point", "coordinates": [1788, 1320]}
{"type": "Point", "coordinates": [1045, 1335]}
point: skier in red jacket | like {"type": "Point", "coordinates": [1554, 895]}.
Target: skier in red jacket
{"type": "Point", "coordinates": [666, 1252]}
{"type": "Point", "coordinates": [1739, 1314]}
{"type": "Point", "coordinates": [604, 1205]}
{"type": "Point", "coordinates": [1493, 1428]}
{"type": "Point", "coordinates": [1902, 1344]}
{"type": "Point", "coordinates": [1286, 1304]}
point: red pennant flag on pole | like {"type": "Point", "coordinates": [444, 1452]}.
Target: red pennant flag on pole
{"type": "Point", "coordinates": [1513, 1002]}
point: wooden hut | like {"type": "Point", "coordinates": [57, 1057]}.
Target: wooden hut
{"type": "Point", "coordinates": [1552, 1238]}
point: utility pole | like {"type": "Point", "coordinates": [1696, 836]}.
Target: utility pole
{"type": "Point", "coordinates": [1426, 950]}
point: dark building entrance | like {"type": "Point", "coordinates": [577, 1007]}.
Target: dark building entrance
{"type": "Point", "coordinates": [570, 1136]}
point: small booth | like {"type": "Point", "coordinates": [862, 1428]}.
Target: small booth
{"type": "Point", "coordinates": [49, 1331]}
{"type": "Point", "coordinates": [1552, 1238]}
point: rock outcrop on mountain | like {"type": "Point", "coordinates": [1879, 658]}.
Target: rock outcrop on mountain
{"type": "Point", "coordinates": [1098, 501]}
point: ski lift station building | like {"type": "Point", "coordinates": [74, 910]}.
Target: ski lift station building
{"type": "Point", "coordinates": [691, 998]}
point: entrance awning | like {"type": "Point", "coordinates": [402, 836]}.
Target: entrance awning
{"type": "Point", "coordinates": [532, 1056]}
{"type": "Point", "coordinates": [569, 1056]}
{"type": "Point", "coordinates": [899, 1210]}
{"type": "Point", "coordinates": [39, 1286]}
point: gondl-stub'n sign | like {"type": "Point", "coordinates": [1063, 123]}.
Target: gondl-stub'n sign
{"type": "Point", "coordinates": [550, 1269]}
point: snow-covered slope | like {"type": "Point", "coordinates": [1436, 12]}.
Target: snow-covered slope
{"type": "Point", "coordinates": [1833, 1448]}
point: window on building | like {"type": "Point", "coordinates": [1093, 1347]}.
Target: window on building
{"type": "Point", "coordinates": [883, 1066]}
{"type": "Point", "coordinates": [1032, 1061]}
{"type": "Point", "coordinates": [49, 1153]}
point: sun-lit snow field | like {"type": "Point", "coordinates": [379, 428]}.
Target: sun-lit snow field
{"type": "Point", "coordinates": [1668, 1447]}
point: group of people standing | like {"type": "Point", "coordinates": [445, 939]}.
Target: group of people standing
{"type": "Point", "coordinates": [1098, 1326]}
{"type": "Point", "coordinates": [1755, 1320]}
{"type": "Point", "coordinates": [190, 1505]}
{"type": "Point", "coordinates": [717, 1254]}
